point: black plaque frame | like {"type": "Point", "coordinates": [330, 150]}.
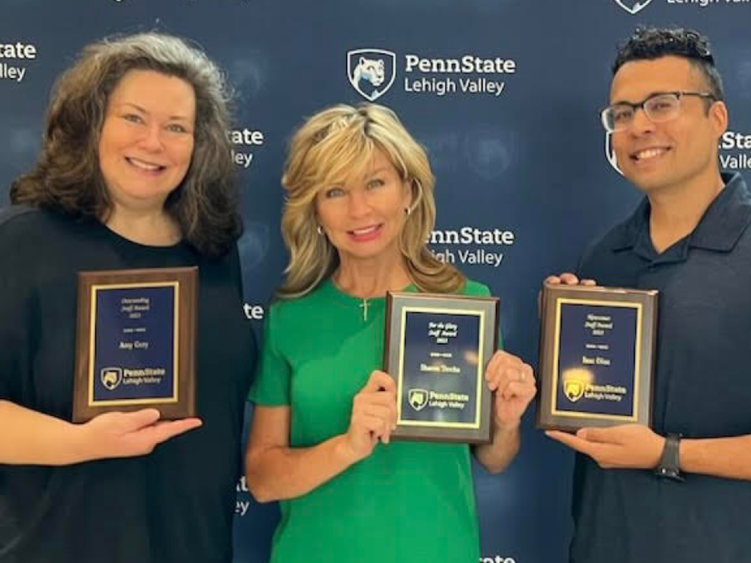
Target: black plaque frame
{"type": "Point", "coordinates": [487, 309]}
{"type": "Point", "coordinates": [182, 402]}
{"type": "Point", "coordinates": [645, 302]}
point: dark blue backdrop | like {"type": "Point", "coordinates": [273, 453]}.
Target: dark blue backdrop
{"type": "Point", "coordinates": [522, 161]}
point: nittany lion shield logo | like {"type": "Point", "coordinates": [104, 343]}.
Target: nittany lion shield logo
{"type": "Point", "coordinates": [574, 390]}
{"type": "Point", "coordinates": [111, 377]}
{"type": "Point", "coordinates": [633, 6]}
{"type": "Point", "coordinates": [371, 71]}
{"type": "Point", "coordinates": [418, 398]}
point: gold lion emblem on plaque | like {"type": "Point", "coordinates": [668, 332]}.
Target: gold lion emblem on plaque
{"type": "Point", "coordinates": [418, 398]}
{"type": "Point", "coordinates": [575, 382]}
{"type": "Point", "coordinates": [574, 390]}
{"type": "Point", "coordinates": [111, 378]}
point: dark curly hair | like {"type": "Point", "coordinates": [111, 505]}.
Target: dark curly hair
{"type": "Point", "coordinates": [67, 177]}
{"type": "Point", "coordinates": [649, 43]}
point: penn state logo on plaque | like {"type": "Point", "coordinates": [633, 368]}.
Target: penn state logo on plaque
{"type": "Point", "coordinates": [418, 398]}
{"type": "Point", "coordinates": [111, 377]}
{"type": "Point", "coordinates": [574, 390]}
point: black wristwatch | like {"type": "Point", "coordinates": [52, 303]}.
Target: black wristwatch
{"type": "Point", "coordinates": [669, 465]}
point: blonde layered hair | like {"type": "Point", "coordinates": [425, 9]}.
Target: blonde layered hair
{"type": "Point", "coordinates": [336, 144]}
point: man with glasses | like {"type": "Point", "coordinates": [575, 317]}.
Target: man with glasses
{"type": "Point", "coordinates": [680, 492]}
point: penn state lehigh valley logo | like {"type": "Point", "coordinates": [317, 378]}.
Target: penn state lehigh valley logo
{"type": "Point", "coordinates": [371, 71]}
{"type": "Point", "coordinates": [633, 6]}
{"type": "Point", "coordinates": [418, 398]}
{"type": "Point", "coordinates": [574, 390]}
{"type": "Point", "coordinates": [575, 382]}
{"type": "Point", "coordinates": [111, 377]}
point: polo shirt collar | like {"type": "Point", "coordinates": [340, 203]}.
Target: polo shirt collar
{"type": "Point", "coordinates": [719, 229]}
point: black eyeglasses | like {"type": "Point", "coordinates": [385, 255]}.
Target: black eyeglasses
{"type": "Point", "coordinates": [658, 108]}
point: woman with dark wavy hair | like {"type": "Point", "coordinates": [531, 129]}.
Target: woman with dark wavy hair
{"type": "Point", "coordinates": [135, 172]}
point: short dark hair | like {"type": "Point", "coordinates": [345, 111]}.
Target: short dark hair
{"type": "Point", "coordinates": [649, 43]}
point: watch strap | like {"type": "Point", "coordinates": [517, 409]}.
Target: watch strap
{"type": "Point", "coordinates": [669, 465]}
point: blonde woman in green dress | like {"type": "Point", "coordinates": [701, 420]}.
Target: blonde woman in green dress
{"type": "Point", "coordinates": [358, 211]}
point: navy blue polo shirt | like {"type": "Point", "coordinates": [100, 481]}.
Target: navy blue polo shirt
{"type": "Point", "coordinates": [702, 390]}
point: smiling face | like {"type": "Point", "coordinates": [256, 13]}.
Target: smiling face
{"type": "Point", "coordinates": [675, 153]}
{"type": "Point", "coordinates": [146, 143]}
{"type": "Point", "coordinates": [363, 217]}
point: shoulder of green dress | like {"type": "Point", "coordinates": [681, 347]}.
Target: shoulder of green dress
{"type": "Point", "coordinates": [472, 287]}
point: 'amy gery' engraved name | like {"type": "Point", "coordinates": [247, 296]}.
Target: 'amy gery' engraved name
{"type": "Point", "coordinates": [135, 345]}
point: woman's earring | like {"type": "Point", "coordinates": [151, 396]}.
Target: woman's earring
{"type": "Point", "coordinates": [407, 211]}
{"type": "Point", "coordinates": [319, 230]}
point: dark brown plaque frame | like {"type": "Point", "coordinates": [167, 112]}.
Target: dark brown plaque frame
{"type": "Point", "coordinates": [182, 404]}
{"type": "Point", "coordinates": [487, 308]}
{"type": "Point", "coordinates": [549, 417]}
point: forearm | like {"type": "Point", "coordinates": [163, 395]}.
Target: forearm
{"type": "Point", "coordinates": [497, 455]}
{"type": "Point", "coordinates": [721, 457]}
{"type": "Point", "coordinates": [280, 472]}
{"type": "Point", "coordinates": [32, 438]}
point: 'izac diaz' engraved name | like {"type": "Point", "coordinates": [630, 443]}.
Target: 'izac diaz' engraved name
{"type": "Point", "coordinates": [597, 360]}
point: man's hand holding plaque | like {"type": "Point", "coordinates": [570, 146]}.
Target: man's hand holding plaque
{"type": "Point", "coordinates": [627, 446]}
